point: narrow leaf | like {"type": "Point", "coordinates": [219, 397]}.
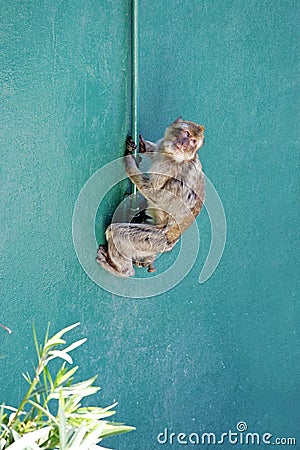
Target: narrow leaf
{"type": "Point", "coordinates": [58, 336]}
{"type": "Point", "coordinates": [44, 411]}
{"type": "Point", "coordinates": [77, 438]}
{"type": "Point", "coordinates": [26, 376]}
{"type": "Point", "coordinates": [29, 439]}
{"type": "Point", "coordinates": [61, 379]}
{"type": "Point", "coordinates": [60, 354]}
{"type": "Point", "coordinates": [62, 423]}
{"type": "Point", "coordinates": [94, 436]}
{"type": "Point", "coordinates": [3, 442]}
{"type": "Point", "coordinates": [75, 345]}
{"type": "Point", "coordinates": [112, 429]}
{"type": "Point", "coordinates": [36, 342]}
{"type": "Point", "coordinates": [10, 408]}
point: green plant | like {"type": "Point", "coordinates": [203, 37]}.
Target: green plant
{"type": "Point", "coordinates": [50, 416]}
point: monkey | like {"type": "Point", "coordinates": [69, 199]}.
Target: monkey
{"type": "Point", "coordinates": [175, 192]}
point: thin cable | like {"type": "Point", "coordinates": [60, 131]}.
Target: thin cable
{"type": "Point", "coordinates": [134, 89]}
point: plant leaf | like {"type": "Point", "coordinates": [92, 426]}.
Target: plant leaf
{"type": "Point", "coordinates": [3, 442]}
{"type": "Point", "coordinates": [11, 408]}
{"type": "Point", "coordinates": [30, 438]}
{"type": "Point", "coordinates": [26, 376]}
{"type": "Point", "coordinates": [114, 428]}
{"type": "Point", "coordinates": [78, 437]}
{"type": "Point", "coordinates": [37, 347]}
{"type": "Point", "coordinates": [60, 354]}
{"type": "Point", "coordinates": [56, 339]}
{"type": "Point", "coordinates": [75, 345]}
{"type": "Point", "coordinates": [75, 427]}
{"type": "Point", "coordinates": [82, 389]}
{"type": "Point", "coordinates": [62, 377]}
{"type": "Point", "coordinates": [62, 422]}
{"type": "Point", "coordinates": [44, 411]}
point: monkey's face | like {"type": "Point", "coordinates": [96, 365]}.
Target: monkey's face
{"type": "Point", "coordinates": [183, 139]}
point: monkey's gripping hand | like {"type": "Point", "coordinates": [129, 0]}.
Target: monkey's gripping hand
{"type": "Point", "coordinates": [144, 146]}
{"type": "Point", "coordinates": [129, 154]}
{"type": "Point", "coordinates": [137, 177]}
{"type": "Point", "coordinates": [130, 146]}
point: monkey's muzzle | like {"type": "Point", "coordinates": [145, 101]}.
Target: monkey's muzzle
{"type": "Point", "coordinates": [182, 144]}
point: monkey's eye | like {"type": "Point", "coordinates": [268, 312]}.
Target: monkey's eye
{"type": "Point", "coordinates": [187, 134]}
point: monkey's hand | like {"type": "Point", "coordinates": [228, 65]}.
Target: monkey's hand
{"type": "Point", "coordinates": [130, 145]}
{"type": "Point", "coordinates": [130, 148]}
{"type": "Point", "coordinates": [142, 144]}
{"type": "Point", "coordinates": [147, 147]}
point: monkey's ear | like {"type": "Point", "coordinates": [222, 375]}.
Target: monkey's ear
{"type": "Point", "coordinates": [178, 119]}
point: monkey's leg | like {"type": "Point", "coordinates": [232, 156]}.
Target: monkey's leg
{"type": "Point", "coordinates": [134, 242]}
{"type": "Point", "coordinates": [119, 254]}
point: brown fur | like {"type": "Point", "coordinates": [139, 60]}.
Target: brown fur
{"type": "Point", "coordinates": [174, 190]}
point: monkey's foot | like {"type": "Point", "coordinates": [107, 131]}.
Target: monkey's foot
{"type": "Point", "coordinates": [137, 263]}
{"type": "Point", "coordinates": [151, 267]}
{"type": "Point", "coordinates": [130, 145]}
{"type": "Point", "coordinates": [104, 261]}
{"type": "Point", "coordinates": [102, 253]}
{"type": "Point", "coordinates": [146, 263]}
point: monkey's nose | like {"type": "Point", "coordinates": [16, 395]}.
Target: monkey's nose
{"type": "Point", "coordinates": [185, 142]}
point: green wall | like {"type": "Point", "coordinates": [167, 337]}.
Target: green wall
{"type": "Point", "coordinates": [199, 357]}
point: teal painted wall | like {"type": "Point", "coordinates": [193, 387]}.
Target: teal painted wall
{"type": "Point", "coordinates": [199, 357]}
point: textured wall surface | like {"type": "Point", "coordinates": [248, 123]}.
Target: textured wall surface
{"type": "Point", "coordinates": [199, 357]}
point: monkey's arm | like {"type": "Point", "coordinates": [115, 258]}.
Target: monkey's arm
{"type": "Point", "coordinates": [136, 176]}
{"type": "Point", "coordinates": [142, 182]}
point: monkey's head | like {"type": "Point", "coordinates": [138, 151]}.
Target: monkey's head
{"type": "Point", "coordinates": [183, 139]}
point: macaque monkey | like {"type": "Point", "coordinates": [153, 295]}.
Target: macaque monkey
{"type": "Point", "coordinates": [174, 190]}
